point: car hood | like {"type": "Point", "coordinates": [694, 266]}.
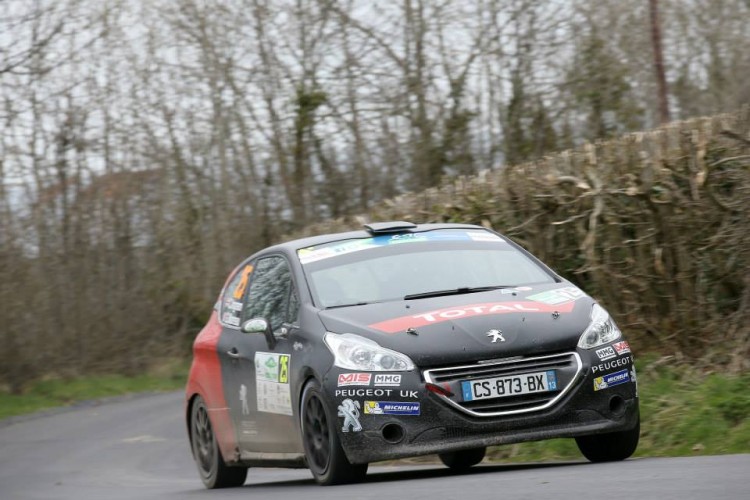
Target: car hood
{"type": "Point", "coordinates": [461, 328]}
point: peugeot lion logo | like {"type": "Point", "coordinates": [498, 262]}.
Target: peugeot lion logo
{"type": "Point", "coordinates": [496, 335]}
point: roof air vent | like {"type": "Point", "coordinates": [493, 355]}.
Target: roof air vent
{"type": "Point", "coordinates": [389, 227]}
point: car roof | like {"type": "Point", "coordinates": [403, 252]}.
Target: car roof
{"type": "Point", "coordinates": [294, 245]}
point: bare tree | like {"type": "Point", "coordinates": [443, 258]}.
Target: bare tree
{"type": "Point", "coordinates": [661, 79]}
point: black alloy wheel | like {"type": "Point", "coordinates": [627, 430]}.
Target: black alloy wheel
{"type": "Point", "coordinates": [323, 451]}
{"type": "Point", "coordinates": [213, 471]}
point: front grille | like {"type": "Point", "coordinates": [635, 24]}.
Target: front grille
{"type": "Point", "coordinates": [567, 367]}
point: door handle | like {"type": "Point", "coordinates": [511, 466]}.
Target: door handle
{"type": "Point", "coordinates": [233, 353]}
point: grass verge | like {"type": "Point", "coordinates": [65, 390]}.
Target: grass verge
{"type": "Point", "coordinates": [684, 412]}
{"type": "Point", "coordinates": [51, 393]}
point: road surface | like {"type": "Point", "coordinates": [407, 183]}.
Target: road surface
{"type": "Point", "coordinates": [136, 448]}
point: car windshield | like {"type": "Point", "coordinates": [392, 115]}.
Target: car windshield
{"type": "Point", "coordinates": [405, 266]}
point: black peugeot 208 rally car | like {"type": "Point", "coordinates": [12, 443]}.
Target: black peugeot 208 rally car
{"type": "Point", "coordinates": [335, 351]}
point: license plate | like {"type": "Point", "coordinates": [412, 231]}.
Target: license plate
{"type": "Point", "coordinates": [512, 385]}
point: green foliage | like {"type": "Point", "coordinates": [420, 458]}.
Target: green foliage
{"type": "Point", "coordinates": [683, 412]}
{"type": "Point", "coordinates": [50, 393]}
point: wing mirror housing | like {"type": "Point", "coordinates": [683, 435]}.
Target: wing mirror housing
{"type": "Point", "coordinates": [262, 326]}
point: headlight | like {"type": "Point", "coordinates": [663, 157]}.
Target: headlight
{"type": "Point", "coordinates": [601, 330]}
{"type": "Point", "coordinates": [358, 353]}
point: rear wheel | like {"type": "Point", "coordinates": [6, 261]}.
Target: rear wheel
{"type": "Point", "coordinates": [462, 460]}
{"type": "Point", "coordinates": [610, 447]}
{"type": "Point", "coordinates": [323, 451]}
{"type": "Point", "coordinates": [211, 467]}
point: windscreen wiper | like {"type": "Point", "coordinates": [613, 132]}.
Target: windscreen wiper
{"type": "Point", "coordinates": [454, 291]}
{"type": "Point", "coordinates": [347, 305]}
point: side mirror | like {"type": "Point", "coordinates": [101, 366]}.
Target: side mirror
{"type": "Point", "coordinates": [260, 325]}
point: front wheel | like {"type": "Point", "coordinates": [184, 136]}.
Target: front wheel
{"type": "Point", "coordinates": [211, 467]}
{"type": "Point", "coordinates": [462, 460]}
{"type": "Point", "coordinates": [323, 451]}
{"type": "Point", "coordinates": [610, 447]}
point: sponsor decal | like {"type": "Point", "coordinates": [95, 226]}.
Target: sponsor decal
{"type": "Point", "coordinates": [272, 383]}
{"type": "Point", "coordinates": [496, 335]}
{"type": "Point", "coordinates": [611, 380]}
{"type": "Point", "coordinates": [298, 346]}
{"type": "Point", "coordinates": [386, 379]}
{"type": "Point", "coordinates": [233, 305]}
{"type": "Point", "coordinates": [484, 236]}
{"type": "Point", "coordinates": [391, 408]}
{"type": "Point", "coordinates": [606, 353]}
{"type": "Point", "coordinates": [452, 313]}
{"type": "Point", "coordinates": [408, 394]}
{"type": "Point", "coordinates": [350, 411]}
{"type": "Point", "coordinates": [284, 369]}
{"type": "Point", "coordinates": [403, 238]}
{"type": "Point", "coordinates": [316, 253]}
{"type": "Point", "coordinates": [230, 319]}
{"type": "Point", "coordinates": [615, 363]}
{"type": "Point", "coordinates": [363, 392]}
{"type": "Point", "coordinates": [354, 379]}
{"type": "Point", "coordinates": [243, 400]}
{"type": "Point", "coordinates": [621, 347]}
{"type": "Point", "coordinates": [557, 296]}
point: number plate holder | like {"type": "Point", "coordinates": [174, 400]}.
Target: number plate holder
{"type": "Point", "coordinates": [509, 385]}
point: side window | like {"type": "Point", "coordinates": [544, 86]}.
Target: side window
{"type": "Point", "coordinates": [269, 291]}
{"type": "Point", "coordinates": [231, 304]}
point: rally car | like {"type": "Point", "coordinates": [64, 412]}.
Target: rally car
{"type": "Point", "coordinates": [399, 340]}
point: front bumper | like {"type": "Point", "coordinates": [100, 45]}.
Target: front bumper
{"type": "Point", "coordinates": [404, 420]}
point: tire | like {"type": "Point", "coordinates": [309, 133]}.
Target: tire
{"type": "Point", "coordinates": [611, 447]}
{"type": "Point", "coordinates": [323, 450]}
{"type": "Point", "coordinates": [211, 467]}
{"type": "Point", "coordinates": [462, 460]}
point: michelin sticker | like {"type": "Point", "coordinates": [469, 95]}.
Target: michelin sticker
{"type": "Point", "coordinates": [611, 380]}
{"type": "Point", "coordinates": [391, 408]}
{"type": "Point", "coordinates": [272, 383]}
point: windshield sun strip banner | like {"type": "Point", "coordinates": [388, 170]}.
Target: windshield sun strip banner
{"type": "Point", "coordinates": [328, 250]}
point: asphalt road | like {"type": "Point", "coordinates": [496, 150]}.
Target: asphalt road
{"type": "Point", "coordinates": [136, 448]}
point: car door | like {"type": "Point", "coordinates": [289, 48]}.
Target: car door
{"type": "Point", "coordinates": [257, 382]}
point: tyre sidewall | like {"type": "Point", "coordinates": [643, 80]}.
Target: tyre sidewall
{"type": "Point", "coordinates": [312, 389]}
{"type": "Point", "coordinates": [208, 477]}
